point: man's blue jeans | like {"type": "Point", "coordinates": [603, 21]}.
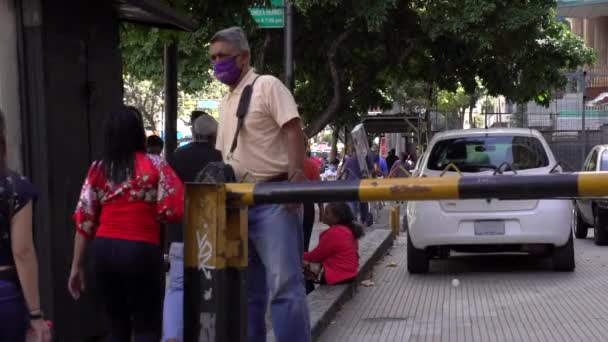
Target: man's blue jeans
{"type": "Point", "coordinates": [275, 270]}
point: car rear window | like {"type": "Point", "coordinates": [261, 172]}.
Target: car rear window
{"type": "Point", "coordinates": [483, 153]}
{"type": "Point", "coordinates": [604, 164]}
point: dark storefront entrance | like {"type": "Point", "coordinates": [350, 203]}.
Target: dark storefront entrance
{"type": "Point", "coordinates": [68, 76]}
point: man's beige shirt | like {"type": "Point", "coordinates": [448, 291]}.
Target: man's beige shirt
{"type": "Point", "coordinates": [261, 151]}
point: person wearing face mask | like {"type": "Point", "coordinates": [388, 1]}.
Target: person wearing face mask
{"type": "Point", "coordinates": [269, 149]}
{"type": "Point", "coordinates": [331, 173]}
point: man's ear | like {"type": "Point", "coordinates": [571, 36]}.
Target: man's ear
{"type": "Point", "coordinates": [245, 58]}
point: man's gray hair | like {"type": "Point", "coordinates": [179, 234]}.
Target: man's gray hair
{"type": "Point", "coordinates": [234, 36]}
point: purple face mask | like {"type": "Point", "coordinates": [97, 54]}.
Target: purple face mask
{"type": "Point", "coordinates": [226, 71]}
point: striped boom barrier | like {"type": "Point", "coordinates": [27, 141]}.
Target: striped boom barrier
{"type": "Point", "coordinates": [216, 239]}
{"type": "Point", "coordinates": [506, 187]}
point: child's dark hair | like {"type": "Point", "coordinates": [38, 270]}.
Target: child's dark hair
{"type": "Point", "coordinates": [344, 216]}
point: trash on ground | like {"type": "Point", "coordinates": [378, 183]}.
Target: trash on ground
{"type": "Point", "coordinates": [368, 283]}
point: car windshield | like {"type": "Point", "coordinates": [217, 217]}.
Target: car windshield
{"type": "Point", "coordinates": [483, 153]}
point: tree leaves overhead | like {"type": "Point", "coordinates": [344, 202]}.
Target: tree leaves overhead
{"type": "Point", "coordinates": [350, 54]}
{"type": "Point", "coordinates": [518, 49]}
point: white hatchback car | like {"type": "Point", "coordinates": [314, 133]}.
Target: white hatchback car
{"type": "Point", "coordinates": [436, 228]}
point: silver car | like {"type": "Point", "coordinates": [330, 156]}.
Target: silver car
{"type": "Point", "coordinates": [593, 212]}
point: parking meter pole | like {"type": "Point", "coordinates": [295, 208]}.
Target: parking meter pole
{"type": "Point", "coordinates": [215, 264]}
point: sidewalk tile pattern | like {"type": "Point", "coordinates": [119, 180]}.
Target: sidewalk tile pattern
{"type": "Point", "coordinates": [498, 298]}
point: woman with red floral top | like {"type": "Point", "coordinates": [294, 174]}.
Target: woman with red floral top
{"type": "Point", "coordinates": [124, 199]}
{"type": "Point", "coordinates": [338, 250]}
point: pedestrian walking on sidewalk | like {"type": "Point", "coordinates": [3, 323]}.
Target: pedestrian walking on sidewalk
{"type": "Point", "coordinates": [19, 294]}
{"type": "Point", "coordinates": [391, 158]}
{"type": "Point", "coordinates": [267, 148]}
{"type": "Point", "coordinates": [187, 161]}
{"type": "Point", "coordinates": [124, 199]}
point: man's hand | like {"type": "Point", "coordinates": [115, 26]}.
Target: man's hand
{"type": "Point", "coordinates": [297, 176]}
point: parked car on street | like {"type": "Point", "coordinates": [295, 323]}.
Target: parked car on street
{"type": "Point", "coordinates": [539, 227]}
{"type": "Point", "coordinates": [593, 212]}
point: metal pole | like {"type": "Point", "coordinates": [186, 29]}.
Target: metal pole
{"type": "Point", "coordinates": [170, 98]}
{"type": "Point", "coordinates": [289, 80]}
{"type": "Point", "coordinates": [583, 114]}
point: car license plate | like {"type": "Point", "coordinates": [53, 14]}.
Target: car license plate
{"type": "Point", "coordinates": [490, 227]}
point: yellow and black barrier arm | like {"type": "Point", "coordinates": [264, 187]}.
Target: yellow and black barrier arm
{"type": "Point", "coordinates": [506, 187]}
{"type": "Point", "coordinates": [216, 229]}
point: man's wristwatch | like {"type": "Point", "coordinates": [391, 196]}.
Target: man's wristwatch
{"type": "Point", "coordinates": [36, 315]}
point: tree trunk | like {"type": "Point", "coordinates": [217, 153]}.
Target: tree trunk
{"type": "Point", "coordinates": [471, 106]}
{"type": "Point", "coordinates": [336, 102]}
{"type": "Point", "coordinates": [460, 118]}
{"type": "Point", "coordinates": [427, 116]}
{"type": "Point", "coordinates": [334, 143]}
{"type": "Point", "coordinates": [521, 118]}
{"type": "Point", "coordinates": [261, 60]}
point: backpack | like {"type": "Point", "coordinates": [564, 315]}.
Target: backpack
{"type": "Point", "coordinates": [221, 172]}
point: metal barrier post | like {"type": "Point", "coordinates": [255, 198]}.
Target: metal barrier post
{"type": "Point", "coordinates": [215, 257]}
{"type": "Point", "coordinates": [394, 221]}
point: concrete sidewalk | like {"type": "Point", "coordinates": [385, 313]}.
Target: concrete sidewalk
{"type": "Point", "coordinates": [495, 298]}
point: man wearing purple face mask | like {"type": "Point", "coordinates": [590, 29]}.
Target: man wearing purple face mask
{"type": "Point", "coordinates": [269, 149]}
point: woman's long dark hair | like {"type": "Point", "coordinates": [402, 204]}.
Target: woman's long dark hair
{"type": "Point", "coordinates": [123, 136]}
{"type": "Point", "coordinates": [345, 217]}
{"type": "Point", "coordinates": [3, 166]}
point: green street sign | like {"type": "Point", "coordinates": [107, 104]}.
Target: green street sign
{"type": "Point", "coordinates": [268, 17]}
{"type": "Point", "coordinates": [277, 3]}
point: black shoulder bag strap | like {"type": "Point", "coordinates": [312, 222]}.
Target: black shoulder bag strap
{"type": "Point", "coordinates": [241, 112]}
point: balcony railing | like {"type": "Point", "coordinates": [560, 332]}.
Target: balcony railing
{"type": "Point", "coordinates": [597, 76]}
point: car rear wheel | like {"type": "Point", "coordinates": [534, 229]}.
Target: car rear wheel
{"type": "Point", "coordinates": [599, 227]}
{"type": "Point", "coordinates": [563, 256]}
{"type": "Point", "coordinates": [417, 260]}
{"type": "Point", "coordinates": [580, 227]}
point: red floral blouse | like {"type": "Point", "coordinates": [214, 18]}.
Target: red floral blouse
{"type": "Point", "coordinates": [134, 209]}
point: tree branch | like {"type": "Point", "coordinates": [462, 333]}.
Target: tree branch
{"type": "Point", "coordinates": [262, 55]}
{"type": "Point", "coordinates": [336, 102]}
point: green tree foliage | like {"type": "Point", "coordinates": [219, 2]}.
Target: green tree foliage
{"type": "Point", "coordinates": [518, 49]}
{"type": "Point", "coordinates": [350, 54]}
{"type": "Point", "coordinates": [147, 97]}
{"type": "Point", "coordinates": [453, 104]}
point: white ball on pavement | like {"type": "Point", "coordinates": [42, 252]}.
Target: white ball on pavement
{"type": "Point", "coordinates": [455, 282]}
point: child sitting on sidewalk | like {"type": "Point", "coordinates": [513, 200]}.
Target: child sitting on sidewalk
{"type": "Point", "coordinates": [335, 260]}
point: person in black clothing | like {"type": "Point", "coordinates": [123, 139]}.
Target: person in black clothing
{"type": "Point", "coordinates": [187, 161]}
{"type": "Point", "coordinates": [195, 115]}
{"type": "Point", "coordinates": [155, 144]}
{"type": "Point", "coordinates": [391, 158]}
